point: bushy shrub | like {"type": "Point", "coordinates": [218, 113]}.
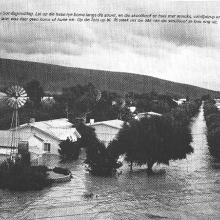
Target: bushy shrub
{"type": "Point", "coordinates": [41, 168]}
{"type": "Point", "coordinates": [24, 159]}
{"type": "Point", "coordinates": [100, 162]}
{"type": "Point", "coordinates": [17, 176]}
{"type": "Point", "coordinates": [69, 150]}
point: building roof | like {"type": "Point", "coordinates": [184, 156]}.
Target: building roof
{"type": "Point", "coordinates": [40, 139]}
{"type": "Point", "coordinates": [56, 123]}
{"type": "Point", "coordinates": [154, 113]}
{"type": "Point", "coordinates": [60, 129]}
{"type": "Point", "coordinates": [147, 114]}
{"type": "Point", "coordinates": [180, 101]}
{"type": "Point", "coordinates": [111, 123]}
{"type": "Point", "coordinates": [64, 133]}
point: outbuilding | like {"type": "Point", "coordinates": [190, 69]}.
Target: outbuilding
{"type": "Point", "coordinates": [41, 137]}
{"type": "Point", "coordinates": [106, 131]}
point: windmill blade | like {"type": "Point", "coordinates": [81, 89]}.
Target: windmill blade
{"type": "Point", "coordinates": [23, 93]}
{"type": "Point", "coordinates": [12, 102]}
{"type": "Point", "coordinates": [98, 95]}
{"type": "Point", "coordinates": [19, 104]}
{"type": "Point", "coordinates": [22, 100]}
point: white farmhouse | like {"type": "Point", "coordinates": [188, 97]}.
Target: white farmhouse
{"type": "Point", "coordinates": [106, 131]}
{"type": "Point", "coordinates": [42, 137]}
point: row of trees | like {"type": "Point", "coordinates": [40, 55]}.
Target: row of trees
{"type": "Point", "coordinates": [111, 105]}
{"type": "Point", "coordinates": [212, 117]}
{"type": "Point", "coordinates": [156, 139]}
{"type": "Point", "coordinates": [78, 101]}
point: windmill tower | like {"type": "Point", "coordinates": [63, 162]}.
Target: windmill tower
{"type": "Point", "coordinates": [16, 98]}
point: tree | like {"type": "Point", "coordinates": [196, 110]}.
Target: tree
{"type": "Point", "coordinates": [35, 92]}
{"type": "Point", "coordinates": [206, 97]}
{"type": "Point", "coordinates": [79, 99]}
{"type": "Point", "coordinates": [19, 175]}
{"type": "Point", "coordinates": [69, 150]}
{"type": "Point", "coordinates": [153, 140]}
{"type": "Point", "coordinates": [99, 160]}
{"type": "Point", "coordinates": [88, 140]}
{"type": "Point", "coordinates": [214, 142]}
{"type": "Point", "coordinates": [212, 117]}
{"type": "Point", "coordinates": [88, 135]}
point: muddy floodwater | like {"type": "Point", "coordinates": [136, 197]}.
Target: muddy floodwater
{"type": "Point", "coordinates": [187, 189]}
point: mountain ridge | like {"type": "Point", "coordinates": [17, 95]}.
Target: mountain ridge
{"type": "Point", "coordinates": [55, 77]}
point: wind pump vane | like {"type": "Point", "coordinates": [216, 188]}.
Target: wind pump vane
{"type": "Point", "coordinates": [15, 98]}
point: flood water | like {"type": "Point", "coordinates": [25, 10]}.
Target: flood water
{"type": "Point", "coordinates": [187, 189]}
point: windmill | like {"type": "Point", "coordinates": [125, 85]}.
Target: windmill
{"type": "Point", "coordinates": [98, 95]}
{"type": "Point", "coordinates": [95, 95]}
{"type": "Point", "coordinates": [15, 98]}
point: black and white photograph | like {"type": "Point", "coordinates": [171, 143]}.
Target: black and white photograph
{"type": "Point", "coordinates": [109, 110]}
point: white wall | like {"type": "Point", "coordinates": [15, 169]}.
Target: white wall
{"type": "Point", "coordinates": [26, 134]}
{"type": "Point", "coordinates": [35, 145]}
{"type": "Point", "coordinates": [105, 133]}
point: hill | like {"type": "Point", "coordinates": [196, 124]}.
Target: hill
{"type": "Point", "coordinates": [53, 78]}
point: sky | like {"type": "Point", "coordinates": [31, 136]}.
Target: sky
{"type": "Point", "coordinates": [186, 53]}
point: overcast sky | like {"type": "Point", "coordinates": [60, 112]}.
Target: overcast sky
{"type": "Point", "coordinates": [182, 53]}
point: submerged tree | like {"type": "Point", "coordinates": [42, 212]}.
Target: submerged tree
{"type": "Point", "coordinates": [69, 150]}
{"type": "Point", "coordinates": [99, 160]}
{"type": "Point", "coordinates": [214, 142]}
{"type": "Point", "coordinates": [212, 117]}
{"type": "Point", "coordinates": [20, 176]}
{"type": "Point", "coordinates": [153, 140]}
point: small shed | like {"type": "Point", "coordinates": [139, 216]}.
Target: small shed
{"type": "Point", "coordinates": [106, 131]}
